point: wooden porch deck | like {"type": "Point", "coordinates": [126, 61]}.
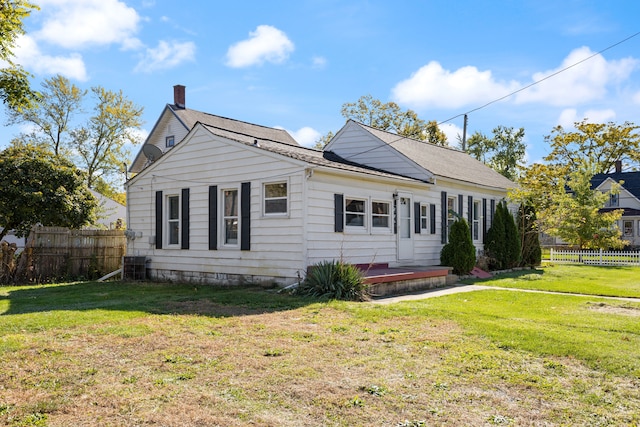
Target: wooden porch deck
{"type": "Point", "coordinates": [384, 280]}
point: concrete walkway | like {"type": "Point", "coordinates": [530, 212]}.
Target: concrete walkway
{"type": "Point", "coordinates": [460, 288]}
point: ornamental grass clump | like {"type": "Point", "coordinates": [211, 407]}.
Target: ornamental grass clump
{"type": "Point", "coordinates": [334, 280]}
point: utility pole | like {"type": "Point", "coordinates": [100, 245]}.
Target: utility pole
{"type": "Point", "coordinates": [464, 134]}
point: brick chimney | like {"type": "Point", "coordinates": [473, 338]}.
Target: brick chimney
{"type": "Point", "coordinates": [178, 96]}
{"type": "Point", "coordinates": [618, 166]}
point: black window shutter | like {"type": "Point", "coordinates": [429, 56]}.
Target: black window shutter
{"type": "Point", "coordinates": [184, 219]}
{"type": "Point", "coordinates": [159, 224]}
{"type": "Point", "coordinates": [213, 217]}
{"type": "Point", "coordinates": [432, 218]}
{"type": "Point", "coordinates": [461, 205]}
{"type": "Point", "coordinates": [395, 215]}
{"type": "Point", "coordinates": [484, 220]}
{"type": "Point", "coordinates": [245, 216]}
{"type": "Point", "coordinates": [417, 222]}
{"type": "Point", "coordinates": [470, 212]}
{"type": "Point", "coordinates": [443, 216]}
{"type": "Point", "coordinates": [338, 201]}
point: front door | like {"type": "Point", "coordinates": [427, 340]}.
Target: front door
{"type": "Point", "coordinates": [405, 228]}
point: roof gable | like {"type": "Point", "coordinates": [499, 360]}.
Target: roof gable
{"type": "Point", "coordinates": [443, 162]}
{"type": "Point", "coordinates": [186, 119]}
{"type": "Point", "coordinates": [630, 181]}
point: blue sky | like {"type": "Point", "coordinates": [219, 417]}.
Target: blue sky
{"type": "Point", "coordinates": [292, 64]}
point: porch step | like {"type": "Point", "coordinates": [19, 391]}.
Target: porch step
{"type": "Point", "coordinates": [383, 280]}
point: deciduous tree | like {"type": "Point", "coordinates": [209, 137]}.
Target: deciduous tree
{"type": "Point", "coordinates": [504, 152]}
{"type": "Point", "coordinates": [38, 187]}
{"type": "Point", "coordinates": [52, 115]}
{"type": "Point", "coordinates": [575, 215]}
{"type": "Point", "coordinates": [15, 91]}
{"type": "Point", "coordinates": [97, 141]}
{"type": "Point", "coordinates": [600, 144]}
{"type": "Point", "coordinates": [390, 117]}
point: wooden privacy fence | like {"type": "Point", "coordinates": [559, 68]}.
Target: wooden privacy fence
{"type": "Point", "coordinates": [55, 252]}
{"type": "Point", "coordinates": [596, 257]}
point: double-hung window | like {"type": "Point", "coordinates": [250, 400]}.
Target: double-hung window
{"type": "Point", "coordinates": [276, 199]}
{"type": "Point", "coordinates": [380, 214]}
{"type": "Point", "coordinates": [451, 212]}
{"type": "Point", "coordinates": [476, 220]}
{"type": "Point", "coordinates": [355, 212]}
{"type": "Point", "coordinates": [173, 220]}
{"type": "Point", "coordinates": [424, 217]}
{"type": "Point", "coordinates": [627, 228]}
{"type": "Point", "coordinates": [230, 217]}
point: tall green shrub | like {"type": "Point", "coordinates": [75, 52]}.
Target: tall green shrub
{"type": "Point", "coordinates": [529, 236]}
{"type": "Point", "coordinates": [512, 244]}
{"type": "Point", "coordinates": [494, 246]}
{"type": "Point", "coordinates": [459, 253]}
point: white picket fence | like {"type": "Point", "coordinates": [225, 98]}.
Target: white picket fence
{"type": "Point", "coordinates": [596, 257]}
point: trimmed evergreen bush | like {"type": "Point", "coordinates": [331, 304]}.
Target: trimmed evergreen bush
{"type": "Point", "coordinates": [503, 241]}
{"type": "Point", "coordinates": [334, 280]}
{"type": "Point", "coordinates": [459, 253]}
{"type": "Point", "coordinates": [494, 246]}
{"type": "Point", "coordinates": [531, 251]}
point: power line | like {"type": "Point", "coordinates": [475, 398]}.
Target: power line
{"type": "Point", "coordinates": [542, 79]}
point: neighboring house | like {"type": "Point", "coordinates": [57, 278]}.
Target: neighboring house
{"type": "Point", "coordinates": [110, 212]}
{"type": "Point", "coordinates": [225, 201]}
{"type": "Point", "coordinates": [628, 199]}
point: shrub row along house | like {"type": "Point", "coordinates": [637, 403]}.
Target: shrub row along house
{"type": "Point", "coordinates": [222, 201]}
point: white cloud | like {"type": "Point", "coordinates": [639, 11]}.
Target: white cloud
{"type": "Point", "coordinates": [569, 117]}
{"type": "Point", "coordinates": [636, 98]}
{"type": "Point", "coordinates": [584, 82]}
{"type": "Point", "coordinates": [452, 131]}
{"type": "Point", "coordinates": [305, 136]}
{"type": "Point", "coordinates": [166, 55]}
{"type": "Point", "coordinates": [319, 62]}
{"type": "Point", "coordinates": [75, 24]}
{"type": "Point", "coordinates": [265, 44]}
{"type": "Point", "coordinates": [28, 54]}
{"type": "Point", "coordinates": [433, 86]}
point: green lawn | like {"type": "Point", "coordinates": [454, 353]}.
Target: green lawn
{"type": "Point", "coordinates": [124, 354]}
{"type": "Point", "coordinates": [579, 279]}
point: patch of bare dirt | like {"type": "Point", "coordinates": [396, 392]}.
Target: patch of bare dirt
{"type": "Point", "coordinates": [602, 307]}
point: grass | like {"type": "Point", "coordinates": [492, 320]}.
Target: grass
{"type": "Point", "coordinates": [121, 354]}
{"type": "Point", "coordinates": [579, 279]}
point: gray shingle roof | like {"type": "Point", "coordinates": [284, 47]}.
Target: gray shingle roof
{"type": "Point", "coordinates": [443, 161]}
{"type": "Point", "coordinates": [304, 154]}
{"type": "Point", "coordinates": [236, 127]}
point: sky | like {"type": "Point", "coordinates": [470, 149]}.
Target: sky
{"type": "Point", "coordinates": [293, 64]}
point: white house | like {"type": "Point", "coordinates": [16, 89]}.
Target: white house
{"type": "Point", "coordinates": [627, 199]}
{"type": "Point", "coordinates": [223, 201]}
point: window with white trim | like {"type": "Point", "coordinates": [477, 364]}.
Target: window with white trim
{"type": "Point", "coordinates": [355, 212]}
{"type": "Point", "coordinates": [170, 141]}
{"type": "Point", "coordinates": [424, 217]}
{"type": "Point", "coordinates": [452, 203]}
{"type": "Point", "coordinates": [230, 218]}
{"type": "Point", "coordinates": [627, 228]}
{"type": "Point", "coordinates": [380, 214]}
{"type": "Point", "coordinates": [276, 199]}
{"type": "Point", "coordinates": [613, 201]}
{"type": "Point", "coordinates": [173, 220]}
{"type": "Point", "coordinates": [476, 220]}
